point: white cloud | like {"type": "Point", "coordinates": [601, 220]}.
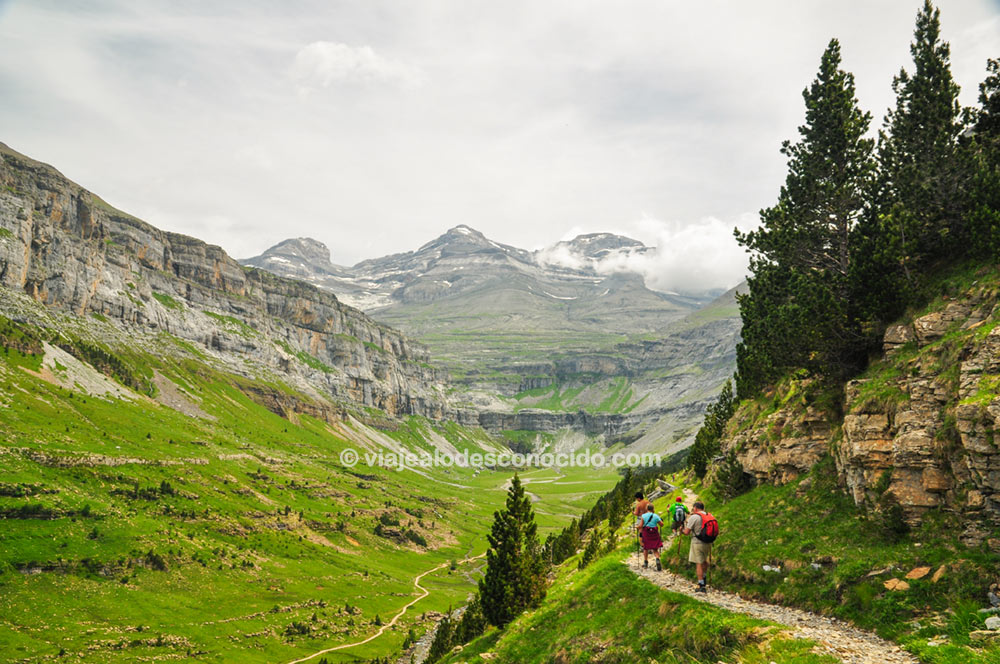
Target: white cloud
{"type": "Point", "coordinates": [687, 257]}
{"type": "Point", "coordinates": [322, 64]}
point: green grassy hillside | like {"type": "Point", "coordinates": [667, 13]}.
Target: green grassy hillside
{"type": "Point", "coordinates": [836, 559]}
{"type": "Point", "coordinates": [605, 613]}
{"type": "Point", "coordinates": [214, 528]}
{"type": "Point", "coordinates": [823, 555]}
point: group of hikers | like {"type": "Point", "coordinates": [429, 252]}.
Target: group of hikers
{"type": "Point", "coordinates": [701, 525]}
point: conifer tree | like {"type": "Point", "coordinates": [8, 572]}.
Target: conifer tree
{"type": "Point", "coordinates": [707, 442]}
{"type": "Point", "coordinates": [472, 624]}
{"type": "Point", "coordinates": [987, 117]}
{"type": "Point", "coordinates": [797, 313]}
{"type": "Point", "coordinates": [984, 206]}
{"type": "Point", "coordinates": [515, 571]}
{"type": "Point", "coordinates": [443, 638]}
{"type": "Point", "coordinates": [922, 170]}
{"type": "Point", "coordinates": [593, 546]}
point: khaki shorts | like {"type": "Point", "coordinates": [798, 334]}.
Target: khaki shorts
{"type": "Point", "coordinates": [700, 551]}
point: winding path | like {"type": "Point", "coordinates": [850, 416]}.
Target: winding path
{"type": "Point", "coordinates": [847, 643]}
{"type": "Point", "coordinates": [834, 637]}
{"type": "Point", "coordinates": [383, 628]}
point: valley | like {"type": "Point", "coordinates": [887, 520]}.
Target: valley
{"type": "Point", "coordinates": [467, 445]}
{"type": "Point", "coordinates": [172, 427]}
{"type": "Point", "coordinates": [561, 337]}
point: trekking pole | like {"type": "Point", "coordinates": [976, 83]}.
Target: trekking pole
{"type": "Point", "coordinates": [635, 534]}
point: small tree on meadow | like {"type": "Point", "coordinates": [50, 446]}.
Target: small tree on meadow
{"type": "Point", "coordinates": [515, 570]}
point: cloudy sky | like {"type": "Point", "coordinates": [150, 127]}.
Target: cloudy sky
{"type": "Point", "coordinates": [375, 126]}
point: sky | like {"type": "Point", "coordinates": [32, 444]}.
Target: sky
{"type": "Point", "coordinates": [375, 126]}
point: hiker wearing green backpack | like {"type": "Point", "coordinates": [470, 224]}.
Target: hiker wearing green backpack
{"type": "Point", "coordinates": [703, 528]}
{"type": "Point", "coordinates": [679, 515]}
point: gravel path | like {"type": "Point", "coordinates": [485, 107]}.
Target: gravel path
{"type": "Point", "coordinates": [845, 642]}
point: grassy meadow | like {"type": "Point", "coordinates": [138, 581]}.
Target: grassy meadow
{"type": "Point", "coordinates": [132, 531]}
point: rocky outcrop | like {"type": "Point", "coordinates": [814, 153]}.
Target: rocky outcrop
{"type": "Point", "coordinates": [934, 443]}
{"type": "Point", "coordinates": [609, 425]}
{"type": "Point", "coordinates": [70, 251]}
{"type": "Point", "coordinates": [783, 445]}
{"type": "Point", "coordinates": [921, 426]}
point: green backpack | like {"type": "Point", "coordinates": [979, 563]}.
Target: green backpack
{"type": "Point", "coordinates": [680, 513]}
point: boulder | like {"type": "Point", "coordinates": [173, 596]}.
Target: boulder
{"type": "Point", "coordinates": [930, 327]}
{"type": "Point", "coordinates": [895, 336]}
{"type": "Point", "coordinates": [896, 585]}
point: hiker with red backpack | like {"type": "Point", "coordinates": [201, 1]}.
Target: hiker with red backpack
{"type": "Point", "coordinates": [703, 528]}
{"type": "Point", "coordinates": [650, 535]}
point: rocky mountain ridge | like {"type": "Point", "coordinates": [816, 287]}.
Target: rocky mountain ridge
{"type": "Point", "coordinates": [69, 251]}
{"type": "Point", "coordinates": [463, 260]}
{"type": "Point", "coordinates": [72, 252]}
{"type": "Point", "coordinates": [540, 326]}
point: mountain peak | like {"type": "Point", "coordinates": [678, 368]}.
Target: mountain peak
{"type": "Point", "coordinates": [463, 230]}
{"type": "Point", "coordinates": [599, 245]}
{"type": "Point", "coordinates": [305, 247]}
{"type": "Point", "coordinates": [301, 257]}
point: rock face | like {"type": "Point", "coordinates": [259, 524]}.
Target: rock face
{"type": "Point", "coordinates": [70, 251]}
{"type": "Point", "coordinates": [935, 445]}
{"type": "Point", "coordinates": [782, 446]}
{"type": "Point", "coordinates": [923, 428]}
{"type": "Point", "coordinates": [492, 312]}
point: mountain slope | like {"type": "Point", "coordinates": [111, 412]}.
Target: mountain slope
{"type": "Point", "coordinates": [554, 331]}
{"type": "Point", "coordinates": [72, 252]}
{"type": "Point", "coordinates": [172, 432]}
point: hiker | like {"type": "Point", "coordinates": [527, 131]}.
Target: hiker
{"type": "Point", "coordinates": [640, 508]}
{"type": "Point", "coordinates": [650, 534]}
{"type": "Point", "coordinates": [703, 528]}
{"type": "Point", "coordinates": [680, 515]}
{"type": "Point", "coordinates": [640, 505]}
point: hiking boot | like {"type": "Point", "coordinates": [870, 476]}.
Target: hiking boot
{"type": "Point", "coordinates": [659, 567]}
{"type": "Point", "coordinates": [645, 564]}
{"type": "Point", "coordinates": [701, 589]}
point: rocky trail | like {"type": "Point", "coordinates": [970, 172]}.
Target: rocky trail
{"type": "Point", "coordinates": [834, 637]}
{"type": "Point", "coordinates": [849, 644]}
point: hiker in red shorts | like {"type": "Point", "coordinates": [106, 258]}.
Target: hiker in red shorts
{"type": "Point", "coordinates": [650, 535]}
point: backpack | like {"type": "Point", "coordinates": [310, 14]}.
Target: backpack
{"type": "Point", "coordinates": [680, 513]}
{"type": "Point", "coordinates": [645, 522]}
{"type": "Point", "coordinates": [709, 528]}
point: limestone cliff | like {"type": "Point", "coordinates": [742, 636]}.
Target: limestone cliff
{"type": "Point", "coordinates": [921, 424]}
{"type": "Point", "coordinates": [70, 251]}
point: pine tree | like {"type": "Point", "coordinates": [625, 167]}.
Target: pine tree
{"type": "Point", "coordinates": [515, 571]}
{"type": "Point", "coordinates": [797, 313]}
{"type": "Point", "coordinates": [987, 116]}
{"type": "Point", "coordinates": [984, 205]}
{"type": "Point", "coordinates": [707, 442]}
{"type": "Point", "coordinates": [472, 624]}
{"type": "Point", "coordinates": [921, 166]}
{"type": "Point", "coordinates": [593, 546]}
{"type": "Point", "coordinates": [443, 638]}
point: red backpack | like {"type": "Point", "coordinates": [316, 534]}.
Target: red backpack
{"type": "Point", "coordinates": [709, 528]}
